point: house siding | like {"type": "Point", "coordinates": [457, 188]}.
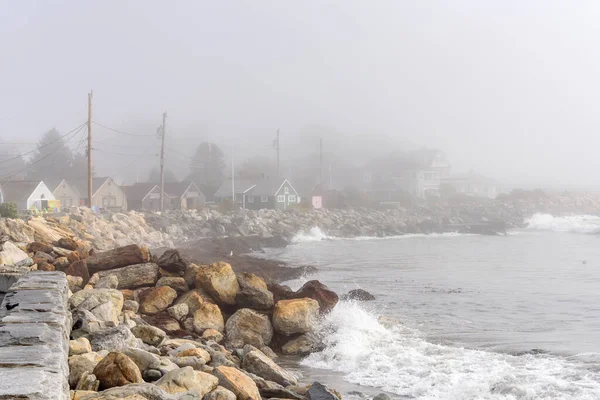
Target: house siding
{"type": "Point", "coordinates": [67, 195]}
{"type": "Point", "coordinates": [40, 191]}
{"type": "Point", "coordinates": [114, 195]}
{"type": "Point", "coordinates": [287, 203]}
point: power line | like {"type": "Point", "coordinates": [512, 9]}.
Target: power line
{"type": "Point", "coordinates": [118, 131]}
{"type": "Point", "coordinates": [44, 145]}
{"type": "Point", "coordinates": [117, 154]}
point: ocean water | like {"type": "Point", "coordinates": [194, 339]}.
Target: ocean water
{"type": "Point", "coordinates": [463, 316]}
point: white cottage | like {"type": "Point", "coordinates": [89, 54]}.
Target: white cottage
{"type": "Point", "coordinates": [25, 194]}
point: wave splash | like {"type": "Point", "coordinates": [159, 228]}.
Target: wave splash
{"type": "Point", "coordinates": [315, 234]}
{"type": "Point", "coordinates": [573, 223]}
{"type": "Point", "coordinates": [387, 355]}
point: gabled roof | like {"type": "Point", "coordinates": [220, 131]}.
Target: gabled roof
{"type": "Point", "coordinates": [17, 191]}
{"type": "Point", "coordinates": [177, 189]}
{"type": "Point", "coordinates": [53, 183]}
{"type": "Point", "coordinates": [269, 187]}
{"type": "Point", "coordinates": [241, 186]}
{"type": "Point", "coordinates": [138, 191]}
{"type": "Point", "coordinates": [82, 185]}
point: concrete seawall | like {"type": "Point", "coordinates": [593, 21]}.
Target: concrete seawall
{"type": "Point", "coordinates": [35, 325]}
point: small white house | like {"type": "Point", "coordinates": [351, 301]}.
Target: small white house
{"type": "Point", "coordinates": [25, 194]}
{"type": "Point", "coordinates": [475, 185]}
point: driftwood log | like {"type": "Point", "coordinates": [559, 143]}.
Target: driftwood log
{"type": "Point", "coordinates": [119, 257]}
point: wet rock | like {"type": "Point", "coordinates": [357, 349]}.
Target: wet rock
{"type": "Point", "coordinates": [280, 292]}
{"type": "Point", "coordinates": [259, 364]}
{"type": "Point", "coordinates": [116, 369]}
{"type": "Point", "coordinates": [176, 283]}
{"type": "Point", "coordinates": [208, 316]}
{"type": "Point", "coordinates": [78, 268]}
{"type": "Point", "coordinates": [314, 289]}
{"type": "Point", "coordinates": [186, 379]}
{"type": "Point", "coordinates": [157, 300]}
{"type": "Point", "coordinates": [108, 282]}
{"type": "Point", "coordinates": [104, 304]}
{"type": "Point", "coordinates": [302, 345]}
{"type": "Point", "coordinates": [248, 327]}
{"type": "Point", "coordinates": [239, 383]}
{"type": "Point", "coordinates": [220, 393]}
{"type": "Point", "coordinates": [79, 346]}
{"type": "Point", "coordinates": [270, 389]}
{"type": "Point", "coordinates": [318, 391]}
{"type": "Point", "coordinates": [178, 311]}
{"type": "Point", "coordinates": [133, 276]}
{"type": "Point", "coordinates": [80, 364]}
{"type": "Point", "coordinates": [114, 339]}
{"type": "Point", "coordinates": [257, 299]}
{"type": "Point", "coordinates": [171, 261]}
{"type": "Point", "coordinates": [219, 281]}
{"type": "Point", "coordinates": [148, 334]}
{"type": "Point", "coordinates": [358, 294]}
{"type": "Point", "coordinates": [295, 316]}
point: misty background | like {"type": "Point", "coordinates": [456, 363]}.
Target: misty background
{"type": "Point", "coordinates": [506, 88]}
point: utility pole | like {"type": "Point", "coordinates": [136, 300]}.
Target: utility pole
{"type": "Point", "coordinates": [321, 161]}
{"type": "Point", "coordinates": [278, 176]}
{"type": "Point", "coordinates": [89, 149]}
{"type": "Point", "coordinates": [162, 163]}
{"type": "Point", "coordinates": [232, 179]}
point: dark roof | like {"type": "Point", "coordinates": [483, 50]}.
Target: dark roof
{"type": "Point", "coordinates": [241, 185]}
{"type": "Point", "coordinates": [177, 189]}
{"type": "Point", "coordinates": [267, 187]}
{"type": "Point", "coordinates": [53, 183]}
{"type": "Point", "coordinates": [82, 185]}
{"type": "Point", "coordinates": [138, 191]}
{"type": "Point", "coordinates": [17, 191]}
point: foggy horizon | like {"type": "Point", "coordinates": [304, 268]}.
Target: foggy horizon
{"type": "Point", "coordinates": [504, 89]}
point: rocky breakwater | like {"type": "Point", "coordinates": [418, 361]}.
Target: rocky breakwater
{"type": "Point", "coordinates": [155, 328]}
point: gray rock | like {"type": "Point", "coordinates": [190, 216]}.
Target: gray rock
{"type": "Point", "coordinates": [104, 304]}
{"type": "Point", "coordinates": [358, 294]}
{"type": "Point", "coordinates": [171, 261]}
{"type": "Point", "coordinates": [220, 393]}
{"type": "Point", "coordinates": [149, 334]}
{"type": "Point", "coordinates": [318, 391]}
{"type": "Point", "coordinates": [133, 276]}
{"type": "Point", "coordinates": [257, 299]}
{"type": "Point", "coordinates": [248, 327]}
{"type": "Point", "coordinates": [382, 396]}
{"type": "Point", "coordinates": [114, 339]}
{"type": "Point", "coordinates": [148, 391]}
{"type": "Point", "coordinates": [151, 375]}
{"type": "Point", "coordinates": [107, 282]}
{"type": "Point", "coordinates": [176, 283]}
{"type": "Point", "coordinates": [178, 311]}
{"type": "Point", "coordinates": [259, 364]}
{"type": "Point", "coordinates": [131, 305]}
{"type": "Point", "coordinates": [186, 379]}
{"type": "Point", "coordinates": [142, 358]}
{"type": "Point", "coordinates": [302, 345]}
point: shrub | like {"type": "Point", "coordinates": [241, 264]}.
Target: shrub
{"type": "Point", "coordinates": [8, 210]}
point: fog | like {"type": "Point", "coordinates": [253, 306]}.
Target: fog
{"type": "Point", "coordinates": [506, 88]}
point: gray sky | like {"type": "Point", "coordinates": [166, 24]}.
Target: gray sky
{"type": "Point", "coordinates": [509, 88]}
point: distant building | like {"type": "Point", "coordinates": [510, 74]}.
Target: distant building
{"type": "Point", "coordinates": [266, 193]}
{"type": "Point", "coordinates": [472, 184]}
{"type": "Point", "coordinates": [145, 196]}
{"type": "Point", "coordinates": [107, 195]}
{"type": "Point", "coordinates": [184, 195]}
{"type": "Point", "coordinates": [63, 191]}
{"type": "Point", "coordinates": [26, 194]}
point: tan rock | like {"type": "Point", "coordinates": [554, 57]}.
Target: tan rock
{"type": "Point", "coordinates": [219, 281]}
{"type": "Point", "coordinates": [80, 364]}
{"type": "Point", "coordinates": [190, 274]}
{"type": "Point", "coordinates": [295, 316]}
{"type": "Point", "coordinates": [179, 311]}
{"type": "Point", "coordinates": [79, 346]}
{"type": "Point", "coordinates": [238, 382]}
{"type": "Point", "coordinates": [116, 369]}
{"type": "Point", "coordinates": [193, 299]}
{"type": "Point", "coordinates": [212, 334]}
{"type": "Point", "coordinates": [104, 304]}
{"type": "Point", "coordinates": [259, 364]}
{"type": "Point", "coordinates": [11, 254]}
{"type": "Point", "coordinates": [220, 393]}
{"type": "Point", "coordinates": [177, 283]}
{"type": "Point", "coordinates": [195, 352]}
{"type": "Point", "coordinates": [247, 280]}
{"type": "Point", "coordinates": [150, 335]}
{"type": "Point", "coordinates": [246, 326]}
{"type": "Point", "coordinates": [208, 316]}
{"type": "Point", "coordinates": [186, 379]}
{"type": "Point", "coordinates": [157, 300]}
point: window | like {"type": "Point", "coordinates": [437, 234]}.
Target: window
{"type": "Point", "coordinates": [264, 199]}
{"type": "Point", "coordinates": [367, 177]}
{"type": "Point", "coordinates": [286, 190]}
{"type": "Point", "coordinates": [428, 176]}
{"type": "Point", "coordinates": [292, 198]}
{"type": "Point", "coordinates": [250, 199]}
{"type": "Point", "coordinates": [281, 199]}
{"type": "Point", "coordinates": [109, 202]}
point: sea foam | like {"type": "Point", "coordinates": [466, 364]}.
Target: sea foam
{"type": "Point", "coordinates": [573, 223]}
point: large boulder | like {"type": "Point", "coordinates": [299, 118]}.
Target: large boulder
{"type": "Point", "coordinates": [171, 261]}
{"type": "Point", "coordinates": [248, 280]}
{"type": "Point", "coordinates": [79, 346]}
{"type": "Point", "coordinates": [148, 334]}
{"type": "Point", "coordinates": [12, 255]}
{"type": "Point", "coordinates": [219, 281]}
{"type": "Point", "coordinates": [194, 299]}
{"type": "Point", "coordinates": [104, 304]}
{"type": "Point", "coordinates": [157, 299]}
{"type": "Point", "coordinates": [257, 299]}
{"type": "Point", "coordinates": [302, 345]}
{"type": "Point", "coordinates": [248, 327]}
{"type": "Point", "coordinates": [79, 268]}
{"type": "Point", "coordinates": [178, 311]}
{"type": "Point", "coordinates": [134, 391]}
{"type": "Point", "coordinates": [326, 298]}
{"type": "Point", "coordinates": [208, 316]}
{"type": "Point", "coordinates": [143, 359]}
{"type": "Point", "coordinates": [318, 391]}
{"type": "Point", "coordinates": [238, 382]}
{"type": "Point", "coordinates": [259, 364]}
{"type": "Point", "coordinates": [220, 393]}
{"type": "Point", "coordinates": [80, 364]}
{"type": "Point", "coordinates": [163, 321]}
{"type": "Point", "coordinates": [295, 316]}
{"type": "Point", "coordinates": [133, 276]}
{"type": "Point", "coordinates": [114, 339]}
{"type": "Point", "coordinates": [67, 243]}
{"type": "Point", "coordinates": [359, 295]}
{"type": "Point", "coordinates": [116, 369]}
{"type": "Point", "coordinates": [280, 292]}
{"type": "Point", "coordinates": [186, 379]}
{"type": "Point", "coordinates": [173, 282]}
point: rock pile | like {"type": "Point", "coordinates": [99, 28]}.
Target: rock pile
{"type": "Point", "coordinates": [160, 328]}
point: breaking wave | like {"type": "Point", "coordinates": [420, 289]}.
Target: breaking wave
{"type": "Point", "coordinates": [573, 223]}
{"type": "Point", "coordinates": [316, 234]}
{"type": "Point", "coordinates": [385, 354]}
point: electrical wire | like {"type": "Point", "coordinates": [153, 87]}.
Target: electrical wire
{"type": "Point", "coordinates": [44, 145]}
{"type": "Point", "coordinates": [118, 131]}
